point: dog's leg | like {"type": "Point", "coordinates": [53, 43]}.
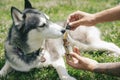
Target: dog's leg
{"type": "Point", "coordinates": [6, 69]}
{"type": "Point", "coordinates": [59, 65]}
{"type": "Point", "coordinates": [102, 45]}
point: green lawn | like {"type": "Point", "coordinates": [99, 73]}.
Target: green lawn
{"type": "Point", "coordinates": [58, 10]}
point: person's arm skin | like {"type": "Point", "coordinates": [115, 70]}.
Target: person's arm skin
{"type": "Point", "coordinates": [108, 15]}
{"type": "Point", "coordinates": [82, 18]}
{"type": "Point", "coordinates": [83, 63]}
{"type": "Point", "coordinates": [108, 68]}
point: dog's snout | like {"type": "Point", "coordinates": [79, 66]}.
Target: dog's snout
{"type": "Point", "coordinates": [63, 31]}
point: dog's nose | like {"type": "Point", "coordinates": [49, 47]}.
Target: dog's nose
{"type": "Point", "coordinates": [63, 31]}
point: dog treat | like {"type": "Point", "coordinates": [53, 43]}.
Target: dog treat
{"type": "Point", "coordinates": [65, 43]}
{"type": "Point", "coordinates": [68, 27]}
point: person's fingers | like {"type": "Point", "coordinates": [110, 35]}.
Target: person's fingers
{"type": "Point", "coordinates": [68, 60]}
{"type": "Point", "coordinates": [72, 64]}
{"type": "Point", "coordinates": [76, 50]}
{"type": "Point", "coordinates": [78, 57]}
{"type": "Point", "coordinates": [68, 19]}
{"type": "Point", "coordinates": [75, 55]}
{"type": "Point", "coordinates": [72, 28]}
{"type": "Point", "coordinates": [74, 16]}
{"type": "Point", "coordinates": [75, 60]}
{"type": "Point", "coordinates": [75, 24]}
{"type": "Point", "coordinates": [71, 18]}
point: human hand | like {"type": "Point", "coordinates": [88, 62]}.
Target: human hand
{"type": "Point", "coordinates": [75, 60]}
{"type": "Point", "coordinates": [80, 18]}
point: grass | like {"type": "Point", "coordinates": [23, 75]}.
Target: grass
{"type": "Point", "coordinates": [58, 10]}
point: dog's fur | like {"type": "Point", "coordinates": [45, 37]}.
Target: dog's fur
{"type": "Point", "coordinates": [32, 30]}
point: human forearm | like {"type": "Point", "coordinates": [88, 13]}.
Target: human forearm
{"type": "Point", "coordinates": [108, 68]}
{"type": "Point", "coordinates": [108, 15]}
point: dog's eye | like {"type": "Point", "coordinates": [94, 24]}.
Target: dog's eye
{"type": "Point", "coordinates": [43, 25]}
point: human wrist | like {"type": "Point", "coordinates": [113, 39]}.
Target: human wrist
{"type": "Point", "coordinates": [91, 65]}
{"type": "Point", "coordinates": [95, 18]}
{"type": "Point", "coordinates": [92, 68]}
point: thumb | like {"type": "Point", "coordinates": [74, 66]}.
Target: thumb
{"type": "Point", "coordinates": [74, 24]}
{"type": "Point", "coordinates": [78, 57]}
{"type": "Point", "coordinates": [75, 55]}
{"type": "Point", "coordinates": [77, 23]}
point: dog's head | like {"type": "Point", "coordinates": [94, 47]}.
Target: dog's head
{"type": "Point", "coordinates": [32, 21]}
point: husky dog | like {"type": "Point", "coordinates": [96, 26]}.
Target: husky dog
{"type": "Point", "coordinates": [28, 34]}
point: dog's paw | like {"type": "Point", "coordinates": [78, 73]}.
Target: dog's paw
{"type": "Point", "coordinates": [114, 54]}
{"type": "Point", "coordinates": [68, 78]}
{"type": "Point", "coordinates": [1, 74]}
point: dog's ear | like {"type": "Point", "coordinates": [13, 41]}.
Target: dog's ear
{"type": "Point", "coordinates": [27, 4]}
{"type": "Point", "coordinates": [16, 15]}
{"type": "Point", "coordinates": [46, 16]}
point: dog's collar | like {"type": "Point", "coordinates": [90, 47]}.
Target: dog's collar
{"type": "Point", "coordinates": [30, 56]}
{"type": "Point", "coordinates": [36, 52]}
